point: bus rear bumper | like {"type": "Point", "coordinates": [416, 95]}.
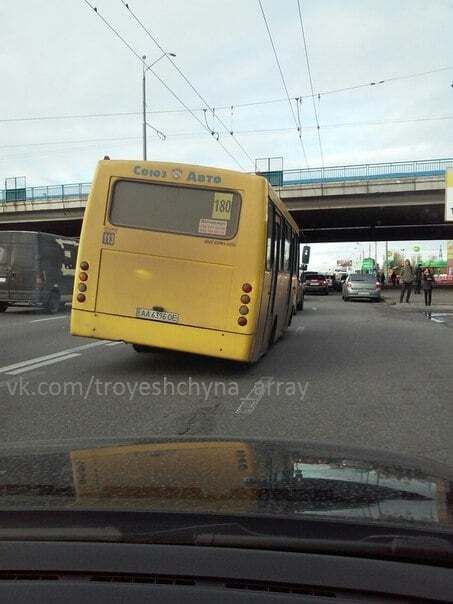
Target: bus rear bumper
{"type": "Point", "coordinates": [227, 345]}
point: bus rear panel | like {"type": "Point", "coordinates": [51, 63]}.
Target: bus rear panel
{"type": "Point", "coordinates": [166, 255]}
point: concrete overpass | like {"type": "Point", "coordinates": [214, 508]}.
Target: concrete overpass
{"type": "Point", "coordinates": [391, 201]}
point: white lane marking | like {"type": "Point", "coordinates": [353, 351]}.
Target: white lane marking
{"type": "Point", "coordinates": [250, 402]}
{"type": "Point", "coordinates": [50, 318]}
{"type": "Point", "coordinates": [52, 356]}
{"type": "Point", "coordinates": [43, 364]}
{"type": "Point", "coordinates": [114, 343]}
{"type": "Point", "coordinates": [437, 320]}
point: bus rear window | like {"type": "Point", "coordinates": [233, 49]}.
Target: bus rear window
{"type": "Point", "coordinates": [183, 210]}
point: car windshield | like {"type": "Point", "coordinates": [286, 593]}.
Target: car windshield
{"type": "Point", "coordinates": [226, 260]}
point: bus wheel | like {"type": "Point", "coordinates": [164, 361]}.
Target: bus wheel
{"type": "Point", "coordinates": [300, 304]}
{"type": "Point", "coordinates": [3, 306]}
{"type": "Point", "coordinates": [143, 348]}
{"type": "Point", "coordinates": [273, 332]}
{"type": "Point", "coordinates": [53, 303]}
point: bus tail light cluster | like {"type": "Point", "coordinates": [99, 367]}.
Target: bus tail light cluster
{"type": "Point", "coordinates": [83, 278]}
{"type": "Point", "coordinates": [245, 299]}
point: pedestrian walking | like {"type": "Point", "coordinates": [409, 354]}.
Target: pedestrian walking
{"type": "Point", "coordinates": [382, 279]}
{"type": "Point", "coordinates": [418, 279]}
{"type": "Point", "coordinates": [393, 279]}
{"type": "Point", "coordinates": [427, 285]}
{"type": "Point", "coordinates": [407, 281]}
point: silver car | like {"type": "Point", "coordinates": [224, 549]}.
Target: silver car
{"type": "Point", "coordinates": [361, 286]}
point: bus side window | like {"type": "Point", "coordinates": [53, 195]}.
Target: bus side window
{"type": "Point", "coordinates": [281, 243]}
{"type": "Point", "coordinates": [270, 239]}
{"type": "Point", "coordinates": [292, 252]}
{"type": "Point", "coordinates": [286, 248]}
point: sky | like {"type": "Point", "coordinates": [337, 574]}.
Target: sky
{"type": "Point", "coordinates": [59, 59]}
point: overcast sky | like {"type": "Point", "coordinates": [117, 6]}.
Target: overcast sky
{"type": "Point", "coordinates": [58, 58]}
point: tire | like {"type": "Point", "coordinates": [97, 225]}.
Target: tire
{"type": "Point", "coordinates": [143, 348]}
{"type": "Point", "coordinates": [53, 303]}
{"type": "Point", "coordinates": [3, 306]}
{"type": "Point", "coordinates": [300, 304]}
{"type": "Point", "coordinates": [273, 332]}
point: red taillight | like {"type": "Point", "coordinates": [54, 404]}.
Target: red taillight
{"type": "Point", "coordinates": [84, 265]}
{"type": "Point", "coordinates": [83, 277]}
{"type": "Point", "coordinates": [81, 298]}
{"type": "Point", "coordinates": [247, 288]}
{"type": "Point", "coordinates": [242, 321]}
{"type": "Point", "coordinates": [245, 299]}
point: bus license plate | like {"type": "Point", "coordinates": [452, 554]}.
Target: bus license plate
{"type": "Point", "coordinates": [157, 315]}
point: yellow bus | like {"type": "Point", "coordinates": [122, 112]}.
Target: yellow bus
{"type": "Point", "coordinates": [177, 470]}
{"type": "Point", "coordinates": [187, 258]}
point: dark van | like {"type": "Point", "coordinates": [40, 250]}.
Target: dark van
{"type": "Point", "coordinates": [36, 269]}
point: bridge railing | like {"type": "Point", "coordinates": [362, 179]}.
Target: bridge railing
{"type": "Point", "coordinates": [74, 191]}
{"type": "Point", "coordinates": [429, 167]}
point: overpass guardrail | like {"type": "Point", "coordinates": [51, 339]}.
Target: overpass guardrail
{"type": "Point", "coordinates": [285, 178]}
{"type": "Point", "coordinates": [49, 193]}
{"type": "Point", "coordinates": [406, 169]}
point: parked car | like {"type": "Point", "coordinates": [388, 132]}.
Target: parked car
{"type": "Point", "coordinates": [36, 269]}
{"type": "Point", "coordinates": [315, 283]}
{"type": "Point", "coordinates": [361, 286]}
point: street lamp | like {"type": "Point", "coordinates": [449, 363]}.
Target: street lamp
{"type": "Point", "coordinates": [145, 69]}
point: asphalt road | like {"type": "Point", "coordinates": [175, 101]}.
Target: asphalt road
{"type": "Point", "coordinates": [356, 374]}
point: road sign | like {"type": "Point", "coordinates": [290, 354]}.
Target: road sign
{"type": "Point", "coordinates": [449, 195]}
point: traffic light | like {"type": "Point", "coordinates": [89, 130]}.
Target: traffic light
{"type": "Point", "coordinates": [306, 254]}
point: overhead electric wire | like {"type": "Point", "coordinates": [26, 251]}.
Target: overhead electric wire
{"type": "Point", "coordinates": [311, 82]}
{"type": "Point", "coordinates": [283, 81]}
{"type": "Point", "coordinates": [219, 108]}
{"type": "Point", "coordinates": [162, 82]}
{"type": "Point", "coordinates": [243, 132]}
{"type": "Point", "coordinates": [185, 78]}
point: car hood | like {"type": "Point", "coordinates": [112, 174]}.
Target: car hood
{"type": "Point", "coordinates": [222, 475]}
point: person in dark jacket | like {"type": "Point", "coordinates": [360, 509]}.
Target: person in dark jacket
{"type": "Point", "coordinates": [427, 285]}
{"type": "Point", "coordinates": [407, 281]}
{"type": "Point", "coordinates": [393, 279]}
{"type": "Point", "coordinates": [418, 278]}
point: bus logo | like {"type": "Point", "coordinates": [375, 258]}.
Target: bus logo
{"type": "Point", "coordinates": [176, 173]}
